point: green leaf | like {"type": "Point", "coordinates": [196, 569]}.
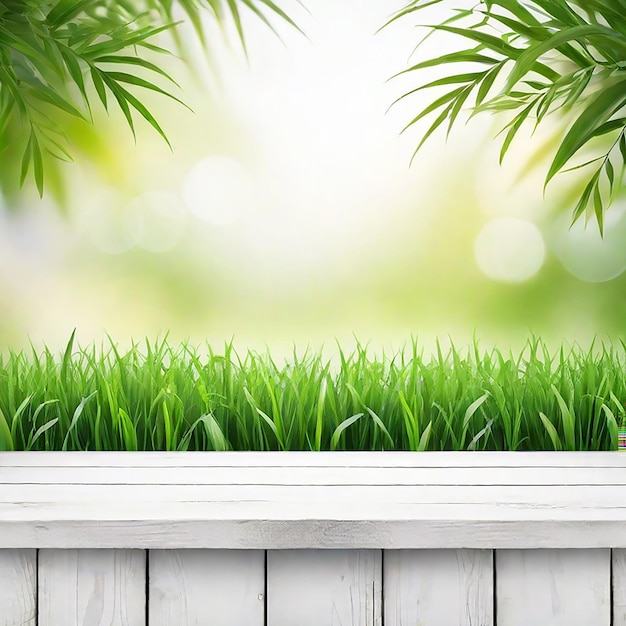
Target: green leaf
{"type": "Point", "coordinates": [136, 61]}
{"type": "Point", "coordinates": [487, 83]}
{"type": "Point", "coordinates": [568, 419]}
{"type": "Point", "coordinates": [610, 172]}
{"type": "Point", "coordinates": [606, 103]}
{"type": "Point", "coordinates": [334, 440]}
{"type": "Point", "coordinates": [111, 46]}
{"type": "Point", "coordinates": [37, 165]}
{"type": "Point", "coordinates": [64, 10]}
{"type": "Point", "coordinates": [583, 201]}
{"type": "Point", "coordinates": [423, 444]}
{"type": "Point", "coordinates": [380, 425]}
{"type": "Point", "coordinates": [514, 127]}
{"type": "Point", "coordinates": [319, 421]}
{"type": "Point", "coordinates": [552, 433]}
{"type": "Point", "coordinates": [529, 57]}
{"type": "Point", "coordinates": [466, 56]}
{"type": "Point", "coordinates": [234, 10]}
{"type": "Point", "coordinates": [472, 408]}
{"type": "Point", "coordinates": [77, 413]}
{"type": "Point", "coordinates": [122, 77]}
{"type": "Point", "coordinates": [41, 430]}
{"type": "Point", "coordinates": [434, 106]}
{"type": "Point", "coordinates": [611, 424]}
{"type": "Point", "coordinates": [214, 433]}
{"type": "Point", "coordinates": [6, 441]}
{"type": "Point", "coordinates": [598, 208]}
{"type": "Point", "coordinates": [122, 100]}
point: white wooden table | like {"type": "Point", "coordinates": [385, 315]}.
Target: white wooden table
{"type": "Point", "coordinates": [303, 538]}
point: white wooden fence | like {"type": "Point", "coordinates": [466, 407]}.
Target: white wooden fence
{"type": "Point", "coordinates": [313, 539]}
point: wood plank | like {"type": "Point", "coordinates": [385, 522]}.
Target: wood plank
{"type": "Point", "coordinates": [585, 496]}
{"type": "Point", "coordinates": [220, 513]}
{"type": "Point", "coordinates": [207, 588]}
{"type": "Point", "coordinates": [262, 528]}
{"type": "Point", "coordinates": [92, 588]}
{"type": "Point", "coordinates": [333, 587]}
{"type": "Point", "coordinates": [17, 587]}
{"type": "Point", "coordinates": [553, 587]}
{"type": "Point", "coordinates": [315, 459]}
{"type": "Point", "coordinates": [302, 475]}
{"type": "Point", "coordinates": [154, 513]}
{"type": "Point", "coordinates": [619, 587]}
{"type": "Point", "coordinates": [438, 587]}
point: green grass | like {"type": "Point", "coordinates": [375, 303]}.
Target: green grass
{"type": "Point", "coordinates": [161, 397]}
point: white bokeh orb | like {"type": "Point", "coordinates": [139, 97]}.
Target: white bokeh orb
{"type": "Point", "coordinates": [587, 255]}
{"type": "Point", "coordinates": [219, 190]}
{"type": "Point", "coordinates": [155, 220]}
{"type": "Point", "coordinates": [509, 250]}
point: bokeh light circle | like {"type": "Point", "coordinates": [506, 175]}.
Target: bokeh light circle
{"type": "Point", "coordinates": [587, 255]}
{"type": "Point", "coordinates": [509, 250]}
{"type": "Point", "coordinates": [155, 220]}
{"type": "Point", "coordinates": [218, 190]}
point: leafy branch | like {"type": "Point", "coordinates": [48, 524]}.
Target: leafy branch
{"type": "Point", "coordinates": [536, 58]}
{"type": "Point", "coordinates": [59, 57]}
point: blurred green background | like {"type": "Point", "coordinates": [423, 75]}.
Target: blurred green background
{"type": "Point", "coordinates": [288, 214]}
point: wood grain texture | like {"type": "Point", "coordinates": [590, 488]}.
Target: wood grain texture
{"type": "Point", "coordinates": [263, 533]}
{"type": "Point", "coordinates": [92, 588]}
{"type": "Point", "coordinates": [570, 496]}
{"type": "Point", "coordinates": [207, 588]}
{"type": "Point", "coordinates": [438, 587]}
{"type": "Point", "coordinates": [619, 587]}
{"type": "Point", "coordinates": [305, 475]}
{"type": "Point", "coordinates": [553, 587]}
{"type": "Point", "coordinates": [314, 459]}
{"type": "Point", "coordinates": [329, 587]}
{"type": "Point", "coordinates": [17, 587]}
{"type": "Point", "coordinates": [288, 500]}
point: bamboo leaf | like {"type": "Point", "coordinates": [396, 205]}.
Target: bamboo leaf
{"type": "Point", "coordinates": [606, 103]}
{"type": "Point", "coordinates": [529, 57]}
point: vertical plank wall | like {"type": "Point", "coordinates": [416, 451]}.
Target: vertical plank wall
{"type": "Point", "coordinates": [619, 587]}
{"type": "Point", "coordinates": [324, 587]}
{"type": "Point", "coordinates": [207, 588]}
{"type": "Point", "coordinates": [438, 587]}
{"type": "Point", "coordinates": [313, 587]}
{"type": "Point", "coordinates": [553, 587]}
{"type": "Point", "coordinates": [17, 587]}
{"type": "Point", "coordinates": [92, 588]}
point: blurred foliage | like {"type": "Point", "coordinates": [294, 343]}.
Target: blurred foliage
{"type": "Point", "coordinates": [537, 58]}
{"type": "Point", "coordinates": [60, 60]}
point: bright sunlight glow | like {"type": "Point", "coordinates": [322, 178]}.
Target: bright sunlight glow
{"type": "Point", "coordinates": [219, 190]}
{"type": "Point", "coordinates": [509, 250]}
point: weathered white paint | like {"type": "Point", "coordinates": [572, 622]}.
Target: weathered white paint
{"type": "Point", "coordinates": [237, 499]}
{"type": "Point", "coordinates": [438, 587]}
{"type": "Point", "coordinates": [17, 587]}
{"type": "Point", "coordinates": [330, 587]}
{"type": "Point", "coordinates": [207, 588]}
{"type": "Point", "coordinates": [263, 533]}
{"type": "Point", "coordinates": [293, 504]}
{"type": "Point", "coordinates": [92, 588]}
{"type": "Point", "coordinates": [314, 459]}
{"type": "Point", "coordinates": [567, 496]}
{"type": "Point", "coordinates": [553, 587]}
{"type": "Point", "coordinates": [619, 587]}
{"type": "Point", "coordinates": [312, 475]}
